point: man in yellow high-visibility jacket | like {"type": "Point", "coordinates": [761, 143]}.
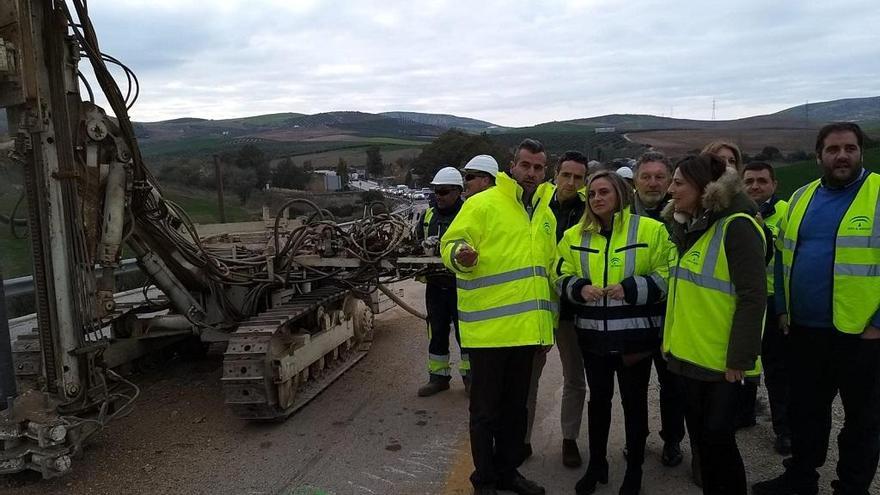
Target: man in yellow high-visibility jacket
{"type": "Point", "coordinates": [502, 247]}
{"type": "Point", "coordinates": [828, 287]}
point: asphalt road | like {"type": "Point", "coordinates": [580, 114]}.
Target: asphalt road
{"type": "Point", "coordinates": [367, 434]}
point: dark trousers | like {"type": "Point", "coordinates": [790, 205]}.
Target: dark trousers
{"type": "Point", "coordinates": [824, 362]}
{"type": "Point", "coordinates": [773, 357]}
{"type": "Point", "coordinates": [500, 379]}
{"type": "Point", "coordinates": [775, 377]}
{"type": "Point", "coordinates": [672, 401]}
{"type": "Point", "coordinates": [711, 416]}
{"type": "Point", "coordinates": [633, 380]}
{"type": "Point", "coordinates": [441, 304]}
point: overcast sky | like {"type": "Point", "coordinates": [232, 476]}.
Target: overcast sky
{"type": "Point", "coordinates": [509, 62]}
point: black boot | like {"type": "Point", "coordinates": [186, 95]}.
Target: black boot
{"type": "Point", "coordinates": [435, 385]}
{"type": "Point", "coordinates": [571, 456]}
{"type": "Point", "coordinates": [632, 481]}
{"type": "Point", "coordinates": [597, 472]}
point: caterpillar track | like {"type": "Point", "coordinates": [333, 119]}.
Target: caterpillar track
{"type": "Point", "coordinates": [280, 359]}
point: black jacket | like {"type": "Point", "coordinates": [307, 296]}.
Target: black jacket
{"type": "Point", "coordinates": [440, 221]}
{"type": "Point", "coordinates": [568, 214]}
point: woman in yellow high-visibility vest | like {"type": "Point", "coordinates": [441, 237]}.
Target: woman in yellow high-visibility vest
{"type": "Point", "coordinates": [612, 268]}
{"type": "Point", "coordinates": [715, 309]}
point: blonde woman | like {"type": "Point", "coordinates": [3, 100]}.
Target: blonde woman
{"type": "Point", "coordinates": [612, 269]}
{"type": "Point", "coordinates": [728, 152]}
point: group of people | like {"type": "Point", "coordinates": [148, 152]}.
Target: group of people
{"type": "Point", "coordinates": [696, 269]}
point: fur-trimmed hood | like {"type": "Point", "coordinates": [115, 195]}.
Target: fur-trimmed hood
{"type": "Point", "coordinates": [720, 195]}
{"type": "Point", "coordinates": [721, 198]}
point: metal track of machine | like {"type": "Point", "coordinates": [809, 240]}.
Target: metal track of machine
{"type": "Point", "coordinates": [279, 360]}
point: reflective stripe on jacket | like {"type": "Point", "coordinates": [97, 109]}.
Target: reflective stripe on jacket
{"type": "Point", "coordinates": [772, 222]}
{"type": "Point", "coordinates": [702, 301]}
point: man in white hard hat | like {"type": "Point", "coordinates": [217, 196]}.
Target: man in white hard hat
{"type": "Point", "coordinates": [440, 295]}
{"type": "Point", "coordinates": [479, 174]}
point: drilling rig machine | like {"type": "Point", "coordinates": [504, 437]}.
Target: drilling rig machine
{"type": "Point", "coordinates": [289, 298]}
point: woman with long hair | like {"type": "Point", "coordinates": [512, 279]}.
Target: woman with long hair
{"type": "Point", "coordinates": [715, 309]}
{"type": "Point", "coordinates": [612, 269]}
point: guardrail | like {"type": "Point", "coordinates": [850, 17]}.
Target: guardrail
{"type": "Point", "coordinates": [20, 290]}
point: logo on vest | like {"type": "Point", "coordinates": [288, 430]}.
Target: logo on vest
{"type": "Point", "coordinates": [693, 257]}
{"type": "Point", "coordinates": [860, 223]}
{"type": "Point", "coordinates": [615, 262]}
{"type": "Point", "coordinates": [547, 227]}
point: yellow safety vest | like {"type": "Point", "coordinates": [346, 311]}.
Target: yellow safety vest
{"type": "Point", "coordinates": [429, 214]}
{"type": "Point", "coordinates": [702, 300]}
{"type": "Point", "coordinates": [638, 246]}
{"type": "Point", "coordinates": [772, 222]}
{"type": "Point", "coordinates": [505, 300]}
{"type": "Point", "coordinates": [856, 280]}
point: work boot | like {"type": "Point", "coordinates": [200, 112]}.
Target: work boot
{"type": "Point", "coordinates": [571, 456]}
{"type": "Point", "coordinates": [467, 384]}
{"type": "Point", "coordinates": [671, 456]}
{"type": "Point", "coordinates": [782, 445]}
{"type": "Point", "coordinates": [435, 385]}
{"type": "Point", "coordinates": [527, 450]}
{"type": "Point", "coordinates": [597, 472]}
{"type": "Point", "coordinates": [696, 474]}
{"type": "Point", "coordinates": [784, 484]}
{"type": "Point", "coordinates": [521, 486]}
{"type": "Point", "coordinates": [632, 481]}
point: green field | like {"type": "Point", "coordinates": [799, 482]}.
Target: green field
{"type": "Point", "coordinates": [202, 207]}
{"type": "Point", "coordinates": [355, 156]}
{"type": "Point", "coordinates": [207, 146]}
{"type": "Point", "coordinates": [792, 176]}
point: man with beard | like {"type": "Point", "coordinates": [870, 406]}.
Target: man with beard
{"type": "Point", "coordinates": [653, 174]}
{"type": "Point", "coordinates": [832, 321]}
{"type": "Point", "coordinates": [502, 248]}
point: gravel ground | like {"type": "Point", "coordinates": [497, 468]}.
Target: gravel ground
{"type": "Point", "coordinates": [368, 433]}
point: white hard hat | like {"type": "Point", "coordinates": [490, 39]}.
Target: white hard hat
{"type": "Point", "coordinates": [625, 172]}
{"type": "Point", "coordinates": [447, 176]}
{"type": "Point", "coordinates": [483, 163]}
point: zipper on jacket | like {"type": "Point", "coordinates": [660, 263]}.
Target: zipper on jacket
{"type": "Point", "coordinates": [529, 211]}
{"type": "Point", "coordinates": [605, 282]}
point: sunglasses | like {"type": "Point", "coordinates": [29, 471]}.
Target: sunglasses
{"type": "Point", "coordinates": [443, 192]}
{"type": "Point", "coordinates": [470, 177]}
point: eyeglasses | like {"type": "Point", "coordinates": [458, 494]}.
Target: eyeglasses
{"type": "Point", "coordinates": [470, 177]}
{"type": "Point", "coordinates": [443, 192]}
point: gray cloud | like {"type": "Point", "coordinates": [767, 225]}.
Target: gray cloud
{"type": "Point", "coordinates": [514, 63]}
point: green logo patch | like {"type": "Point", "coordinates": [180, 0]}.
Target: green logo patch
{"type": "Point", "coordinates": [615, 262]}
{"type": "Point", "coordinates": [693, 257]}
{"type": "Point", "coordinates": [859, 223]}
{"type": "Point", "coordinates": [547, 228]}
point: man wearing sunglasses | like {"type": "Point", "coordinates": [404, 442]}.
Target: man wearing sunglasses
{"type": "Point", "coordinates": [440, 298]}
{"type": "Point", "coordinates": [479, 174]}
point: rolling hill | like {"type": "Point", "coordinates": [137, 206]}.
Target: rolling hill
{"type": "Point", "coordinates": [865, 111]}
{"type": "Point", "coordinates": [444, 121]}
